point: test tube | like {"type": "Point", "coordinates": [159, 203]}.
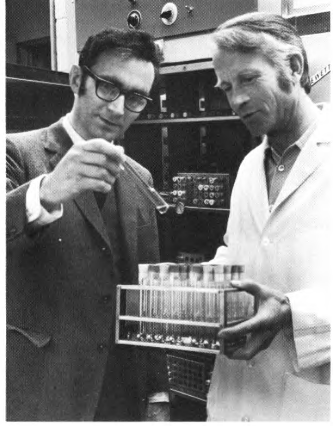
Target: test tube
{"type": "Point", "coordinates": [183, 280]}
{"type": "Point", "coordinates": [208, 282]}
{"type": "Point", "coordinates": [227, 274]}
{"type": "Point", "coordinates": [196, 281]}
{"type": "Point", "coordinates": [160, 204]}
{"type": "Point", "coordinates": [174, 283]}
{"type": "Point", "coordinates": [143, 281]}
{"type": "Point", "coordinates": [165, 299]}
{"type": "Point", "coordinates": [153, 274]}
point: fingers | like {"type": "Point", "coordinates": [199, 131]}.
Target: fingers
{"type": "Point", "coordinates": [249, 286]}
{"type": "Point", "coordinates": [95, 178]}
{"type": "Point", "coordinates": [102, 162]}
{"type": "Point", "coordinates": [255, 343]}
{"type": "Point", "coordinates": [242, 328]}
{"type": "Point", "coordinates": [99, 185]}
{"type": "Point", "coordinates": [98, 164]}
{"type": "Point", "coordinates": [230, 346]}
{"type": "Point", "coordinates": [113, 153]}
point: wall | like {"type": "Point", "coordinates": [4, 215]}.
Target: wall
{"type": "Point", "coordinates": [25, 20]}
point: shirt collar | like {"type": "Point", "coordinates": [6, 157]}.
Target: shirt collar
{"type": "Point", "coordinates": [299, 144]}
{"type": "Point", "coordinates": [76, 138]}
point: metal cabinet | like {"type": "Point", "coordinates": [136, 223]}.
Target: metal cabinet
{"type": "Point", "coordinates": [193, 16]}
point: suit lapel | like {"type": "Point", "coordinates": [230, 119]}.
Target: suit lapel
{"type": "Point", "coordinates": [57, 142]}
{"type": "Point", "coordinates": [127, 210]}
{"type": "Point", "coordinates": [89, 208]}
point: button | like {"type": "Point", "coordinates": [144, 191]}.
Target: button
{"type": "Point", "coordinates": [103, 248]}
{"type": "Point", "coordinates": [270, 208]}
{"type": "Point", "coordinates": [265, 241]}
{"type": "Point", "coordinates": [101, 347]}
{"type": "Point", "coordinates": [12, 230]}
{"type": "Point", "coordinates": [245, 419]}
{"type": "Point", "coordinates": [281, 168]}
{"type": "Point", "coordinates": [250, 364]}
{"type": "Point", "coordinates": [106, 298]}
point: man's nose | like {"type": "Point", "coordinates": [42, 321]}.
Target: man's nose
{"type": "Point", "coordinates": [118, 106]}
{"type": "Point", "coordinates": [238, 98]}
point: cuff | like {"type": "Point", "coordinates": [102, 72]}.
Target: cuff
{"type": "Point", "coordinates": [158, 397]}
{"type": "Point", "coordinates": [34, 210]}
{"type": "Point", "coordinates": [221, 256]}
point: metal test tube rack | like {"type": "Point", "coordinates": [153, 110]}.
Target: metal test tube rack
{"type": "Point", "coordinates": [228, 315]}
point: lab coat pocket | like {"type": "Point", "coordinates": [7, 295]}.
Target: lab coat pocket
{"type": "Point", "coordinates": [36, 338]}
{"type": "Point", "coordinates": [304, 401]}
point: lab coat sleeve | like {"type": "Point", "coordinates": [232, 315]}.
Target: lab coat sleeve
{"type": "Point", "coordinates": [221, 256]}
{"type": "Point", "coordinates": [311, 315]}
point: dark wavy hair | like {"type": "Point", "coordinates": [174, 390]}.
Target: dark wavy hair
{"type": "Point", "coordinates": [248, 33]}
{"type": "Point", "coordinates": [126, 43]}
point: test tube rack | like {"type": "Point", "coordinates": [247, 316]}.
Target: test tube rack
{"type": "Point", "coordinates": [180, 318]}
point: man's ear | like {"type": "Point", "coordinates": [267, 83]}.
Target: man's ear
{"type": "Point", "coordinates": [75, 78]}
{"type": "Point", "coordinates": [297, 66]}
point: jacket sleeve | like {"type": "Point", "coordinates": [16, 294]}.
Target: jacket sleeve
{"type": "Point", "coordinates": [16, 189]}
{"type": "Point", "coordinates": [311, 314]}
{"type": "Point", "coordinates": [20, 234]}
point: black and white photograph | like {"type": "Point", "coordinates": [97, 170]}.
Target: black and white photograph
{"type": "Point", "coordinates": [169, 210]}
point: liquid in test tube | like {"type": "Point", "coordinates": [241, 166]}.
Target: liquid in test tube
{"type": "Point", "coordinates": [143, 281]}
{"type": "Point", "coordinates": [183, 279]}
{"type": "Point", "coordinates": [174, 283]}
{"type": "Point", "coordinates": [196, 277]}
{"type": "Point", "coordinates": [220, 284]}
{"type": "Point", "coordinates": [208, 282]}
{"type": "Point", "coordinates": [227, 274]}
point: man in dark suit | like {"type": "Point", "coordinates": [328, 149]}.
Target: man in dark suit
{"type": "Point", "coordinates": [77, 226]}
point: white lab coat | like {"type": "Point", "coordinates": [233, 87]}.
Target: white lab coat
{"type": "Point", "coordinates": [289, 249]}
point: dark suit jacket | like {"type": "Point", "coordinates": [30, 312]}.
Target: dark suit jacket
{"type": "Point", "coordinates": [60, 304]}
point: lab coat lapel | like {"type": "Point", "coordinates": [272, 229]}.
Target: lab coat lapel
{"type": "Point", "coordinates": [57, 143]}
{"type": "Point", "coordinates": [259, 195]}
{"type": "Point", "coordinates": [309, 159]}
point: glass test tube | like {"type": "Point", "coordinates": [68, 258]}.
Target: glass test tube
{"type": "Point", "coordinates": [208, 282]}
{"type": "Point", "coordinates": [165, 296]}
{"type": "Point", "coordinates": [183, 280]}
{"type": "Point", "coordinates": [153, 274]}
{"type": "Point", "coordinates": [196, 277]}
{"type": "Point", "coordinates": [160, 204]}
{"type": "Point", "coordinates": [143, 281]}
{"type": "Point", "coordinates": [220, 284]}
{"type": "Point", "coordinates": [174, 283]}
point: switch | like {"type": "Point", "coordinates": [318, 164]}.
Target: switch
{"type": "Point", "coordinates": [134, 19]}
{"type": "Point", "coordinates": [169, 13]}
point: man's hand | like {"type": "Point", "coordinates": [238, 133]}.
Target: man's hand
{"type": "Point", "coordinates": [91, 165]}
{"type": "Point", "coordinates": [273, 313]}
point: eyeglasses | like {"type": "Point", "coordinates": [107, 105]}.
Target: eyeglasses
{"type": "Point", "coordinates": [109, 92]}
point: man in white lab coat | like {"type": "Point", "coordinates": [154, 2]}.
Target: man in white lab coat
{"type": "Point", "coordinates": [280, 228]}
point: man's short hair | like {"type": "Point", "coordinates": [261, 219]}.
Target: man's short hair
{"type": "Point", "coordinates": [253, 32]}
{"type": "Point", "coordinates": [126, 43]}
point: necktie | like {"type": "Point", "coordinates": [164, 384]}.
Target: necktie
{"type": "Point", "coordinates": [100, 199]}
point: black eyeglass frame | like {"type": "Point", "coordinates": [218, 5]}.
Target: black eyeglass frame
{"type": "Point", "coordinates": [121, 92]}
